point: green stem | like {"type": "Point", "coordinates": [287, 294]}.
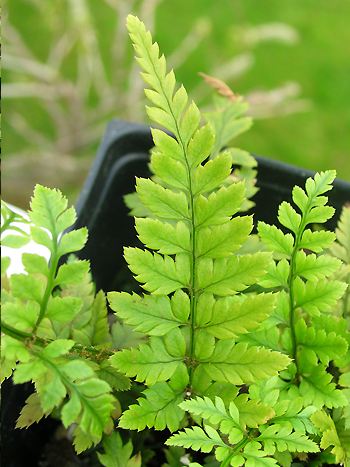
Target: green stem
{"type": "Point", "coordinates": [15, 333]}
{"type": "Point", "coordinates": [192, 286]}
{"type": "Point", "coordinates": [291, 278]}
{"type": "Point", "coordinates": [50, 281]}
{"type": "Point", "coordinates": [88, 351]}
{"type": "Point", "coordinates": [226, 462]}
{"type": "Point", "coordinates": [292, 308]}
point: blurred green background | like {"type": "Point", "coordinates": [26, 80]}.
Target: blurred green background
{"type": "Point", "coordinates": [68, 69]}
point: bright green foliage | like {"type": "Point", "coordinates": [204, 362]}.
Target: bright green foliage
{"type": "Point", "coordinates": [56, 332]}
{"type": "Point", "coordinates": [341, 249]}
{"type": "Point", "coordinates": [226, 122]}
{"type": "Point", "coordinates": [160, 406]}
{"type": "Point", "coordinates": [311, 289]}
{"type": "Point", "coordinates": [241, 441]}
{"type": "Point", "coordinates": [334, 435]}
{"type": "Point", "coordinates": [117, 454]}
{"type": "Point", "coordinates": [9, 222]}
{"type": "Point", "coordinates": [312, 329]}
{"type": "Point", "coordinates": [204, 326]}
{"type": "Point", "coordinates": [191, 201]}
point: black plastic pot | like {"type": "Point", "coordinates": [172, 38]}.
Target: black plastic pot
{"type": "Point", "coordinates": [123, 154]}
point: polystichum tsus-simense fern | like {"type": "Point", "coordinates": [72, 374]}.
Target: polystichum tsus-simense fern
{"type": "Point", "coordinates": [196, 308]}
{"type": "Point", "coordinates": [242, 343]}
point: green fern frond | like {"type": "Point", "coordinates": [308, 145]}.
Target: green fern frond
{"type": "Point", "coordinates": [117, 454]}
{"type": "Point", "coordinates": [90, 403]}
{"type": "Point", "coordinates": [307, 286]}
{"type": "Point", "coordinates": [331, 436]}
{"type": "Point", "coordinates": [242, 444]}
{"type": "Point", "coordinates": [56, 330]}
{"type": "Point", "coordinates": [195, 231]}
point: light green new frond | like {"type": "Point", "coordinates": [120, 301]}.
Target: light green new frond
{"type": "Point", "coordinates": [220, 241]}
{"type": "Point", "coordinates": [315, 267]}
{"type": "Point", "coordinates": [197, 439]}
{"type": "Point", "coordinates": [317, 344]}
{"type": "Point", "coordinates": [241, 364]}
{"type": "Point", "coordinates": [159, 409]}
{"type": "Point", "coordinates": [230, 317]}
{"type": "Point", "coordinates": [282, 438]}
{"type": "Point", "coordinates": [276, 241]}
{"type": "Point", "coordinates": [117, 454]}
{"type": "Point", "coordinates": [227, 276]}
{"type": "Point", "coordinates": [318, 296]}
{"type": "Point", "coordinates": [161, 201]}
{"type": "Point", "coordinates": [331, 437]}
{"type": "Point", "coordinates": [219, 206]}
{"type": "Point", "coordinates": [155, 315]}
{"type": "Point", "coordinates": [170, 106]}
{"type": "Point", "coordinates": [167, 238]}
{"type": "Point", "coordinates": [149, 362]}
{"type": "Point", "coordinates": [160, 275]}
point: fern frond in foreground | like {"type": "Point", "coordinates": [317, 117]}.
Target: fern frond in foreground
{"type": "Point", "coordinates": [192, 269]}
{"type": "Point", "coordinates": [55, 331]}
{"type": "Point", "coordinates": [243, 434]}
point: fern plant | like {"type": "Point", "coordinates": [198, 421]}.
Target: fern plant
{"type": "Point", "coordinates": [55, 328]}
{"type": "Point", "coordinates": [190, 268]}
{"type": "Point", "coordinates": [242, 345]}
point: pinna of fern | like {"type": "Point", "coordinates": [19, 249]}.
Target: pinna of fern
{"type": "Point", "coordinates": [192, 270]}
{"type": "Point", "coordinates": [55, 330]}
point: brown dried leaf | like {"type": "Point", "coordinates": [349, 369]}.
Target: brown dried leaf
{"type": "Point", "coordinates": [222, 88]}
